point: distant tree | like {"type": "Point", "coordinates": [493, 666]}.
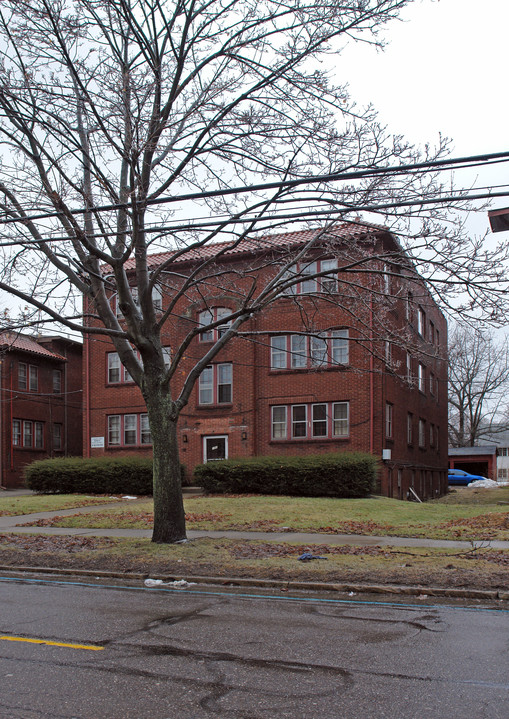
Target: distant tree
{"type": "Point", "coordinates": [117, 115]}
{"type": "Point", "coordinates": [478, 386]}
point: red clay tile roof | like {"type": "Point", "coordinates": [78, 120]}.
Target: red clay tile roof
{"type": "Point", "coordinates": [261, 243]}
{"type": "Point", "coordinates": [16, 341]}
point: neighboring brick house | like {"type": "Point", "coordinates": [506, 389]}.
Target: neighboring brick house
{"type": "Point", "coordinates": [41, 402]}
{"type": "Point", "coordinates": [308, 375]}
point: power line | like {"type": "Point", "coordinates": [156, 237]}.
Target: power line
{"type": "Point", "coordinates": [279, 217]}
{"type": "Point", "coordinates": [469, 161]}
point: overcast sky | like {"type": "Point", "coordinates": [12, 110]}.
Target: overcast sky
{"type": "Point", "coordinates": [444, 70]}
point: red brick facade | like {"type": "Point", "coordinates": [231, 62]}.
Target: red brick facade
{"type": "Point", "coordinates": [41, 408]}
{"type": "Point", "coordinates": [310, 374]}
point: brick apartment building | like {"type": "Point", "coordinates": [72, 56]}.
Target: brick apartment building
{"type": "Point", "coordinates": [41, 402]}
{"type": "Point", "coordinates": [354, 360]}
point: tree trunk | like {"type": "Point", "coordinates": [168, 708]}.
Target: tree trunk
{"type": "Point", "coordinates": [169, 517]}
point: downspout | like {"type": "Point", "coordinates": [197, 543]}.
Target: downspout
{"type": "Point", "coordinates": [371, 382]}
{"type": "Point", "coordinates": [87, 396]}
{"type": "Point", "coordinates": [11, 415]}
{"type": "Point", "coordinates": [1, 428]}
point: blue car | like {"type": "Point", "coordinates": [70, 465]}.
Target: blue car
{"type": "Point", "coordinates": [458, 476]}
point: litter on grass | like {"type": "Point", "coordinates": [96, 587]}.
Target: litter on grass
{"type": "Point", "coordinates": [177, 584]}
{"type": "Point", "coordinates": [307, 557]}
{"type": "Point", "coordinates": [128, 496]}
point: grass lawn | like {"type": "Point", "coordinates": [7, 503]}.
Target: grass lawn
{"type": "Point", "coordinates": [13, 506]}
{"type": "Point", "coordinates": [469, 514]}
{"type": "Point", "coordinates": [483, 569]}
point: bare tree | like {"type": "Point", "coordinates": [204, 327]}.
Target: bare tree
{"type": "Point", "coordinates": [130, 127]}
{"type": "Point", "coordinates": [478, 385]}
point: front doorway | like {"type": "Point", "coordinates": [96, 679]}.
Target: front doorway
{"type": "Point", "coordinates": [215, 447]}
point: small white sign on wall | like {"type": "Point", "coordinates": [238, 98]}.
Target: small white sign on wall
{"type": "Point", "coordinates": [96, 442]}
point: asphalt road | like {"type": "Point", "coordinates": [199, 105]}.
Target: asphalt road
{"type": "Point", "coordinates": [123, 653]}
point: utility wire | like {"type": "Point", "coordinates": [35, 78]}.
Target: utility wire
{"type": "Point", "coordinates": [478, 160]}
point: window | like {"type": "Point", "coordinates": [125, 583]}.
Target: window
{"type": "Point", "coordinates": [57, 381]}
{"type": "Point", "coordinates": [409, 307]}
{"type": "Point", "coordinates": [117, 373]}
{"type": "Point", "coordinates": [421, 322]}
{"type": "Point", "coordinates": [410, 428]}
{"type": "Point", "coordinates": [278, 422]}
{"type": "Point", "coordinates": [114, 368]}
{"type": "Point", "coordinates": [304, 352]}
{"type": "Point", "coordinates": [28, 430]}
{"type": "Point", "coordinates": [431, 383]}
{"type": "Point", "coordinates": [409, 375]}
{"type": "Point", "coordinates": [130, 429]}
{"type": "Point", "coordinates": [16, 432]}
{"type": "Point", "coordinates": [309, 282]}
{"type": "Point", "coordinates": [57, 436]}
{"type": "Point", "coordinates": [299, 420]}
{"type": "Point", "coordinates": [431, 332]}
{"type": "Point", "coordinates": [215, 384]}
{"type": "Point", "coordinates": [278, 354]}
{"type": "Point", "coordinates": [431, 435]}
{"type": "Point", "coordinates": [388, 352]}
{"type": "Point", "coordinates": [322, 420]}
{"type": "Point", "coordinates": [28, 377]}
{"type": "Point", "coordinates": [388, 419]}
{"type": "Point", "coordinates": [127, 430]}
{"type": "Point", "coordinates": [387, 278]}
{"type": "Point", "coordinates": [33, 378]}
{"type": "Point", "coordinates": [422, 433]}
{"type": "Point", "coordinates": [22, 375]}
{"type": "Point", "coordinates": [207, 317]}
{"type": "Point", "coordinates": [422, 377]}
{"type": "Point", "coordinates": [502, 473]}
{"type": "Point", "coordinates": [319, 420]}
{"type": "Point", "coordinates": [157, 299]}
{"type": "Point", "coordinates": [28, 434]}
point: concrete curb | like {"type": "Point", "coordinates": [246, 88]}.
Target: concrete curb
{"type": "Point", "coordinates": [282, 585]}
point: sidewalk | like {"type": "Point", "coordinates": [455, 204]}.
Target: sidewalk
{"type": "Point", "coordinates": [8, 524]}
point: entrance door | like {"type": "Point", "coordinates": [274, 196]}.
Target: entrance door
{"type": "Point", "coordinates": [215, 447]}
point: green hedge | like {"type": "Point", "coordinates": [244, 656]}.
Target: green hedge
{"type": "Point", "coordinates": [345, 474]}
{"type": "Point", "coordinates": [122, 475]}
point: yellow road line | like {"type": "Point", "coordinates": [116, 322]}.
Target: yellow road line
{"type": "Point", "coordinates": [90, 647]}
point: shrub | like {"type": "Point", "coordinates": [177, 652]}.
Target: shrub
{"type": "Point", "coordinates": [104, 475]}
{"type": "Point", "coordinates": [344, 474]}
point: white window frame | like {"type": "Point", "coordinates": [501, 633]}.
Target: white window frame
{"type": "Point", "coordinates": [211, 382]}
{"type": "Point", "coordinates": [279, 426]}
{"type": "Point", "coordinates": [389, 420]}
{"type": "Point", "coordinates": [33, 378]}
{"type": "Point", "coordinates": [22, 375]}
{"type": "Point", "coordinates": [289, 421]}
{"type": "Point", "coordinates": [306, 352]}
{"type": "Point", "coordinates": [421, 377]}
{"type": "Point", "coordinates": [120, 429]}
{"type": "Point", "coordinates": [210, 315]}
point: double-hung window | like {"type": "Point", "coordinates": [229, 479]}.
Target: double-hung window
{"type": "Point", "coordinates": [307, 352]}
{"type": "Point", "coordinates": [320, 420]}
{"type": "Point", "coordinates": [215, 385]}
{"type": "Point", "coordinates": [209, 316]}
{"type": "Point", "coordinates": [422, 377]}
{"type": "Point", "coordinates": [57, 381]}
{"type": "Point", "coordinates": [28, 377]}
{"type": "Point", "coordinates": [127, 430]}
{"type": "Point", "coordinates": [27, 433]}
{"type": "Point", "coordinates": [311, 277]}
